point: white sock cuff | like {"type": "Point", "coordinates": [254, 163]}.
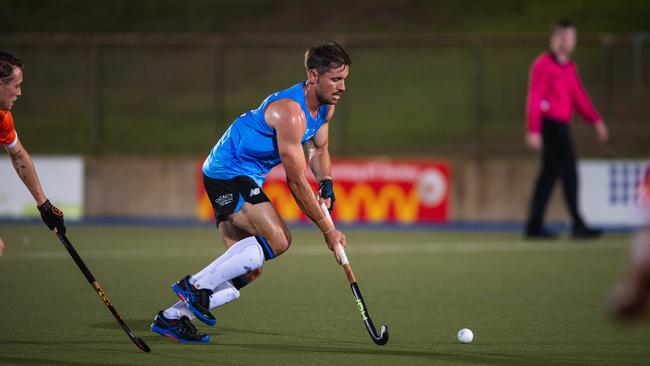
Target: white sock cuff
{"type": "Point", "coordinates": [224, 294]}
{"type": "Point", "coordinates": [177, 311]}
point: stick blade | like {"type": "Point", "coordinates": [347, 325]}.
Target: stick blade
{"type": "Point", "coordinates": [383, 336]}
{"type": "Point", "coordinates": [140, 343]}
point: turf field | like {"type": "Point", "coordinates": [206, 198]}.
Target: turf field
{"type": "Point", "coordinates": [527, 303]}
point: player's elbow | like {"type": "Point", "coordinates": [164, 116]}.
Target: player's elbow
{"type": "Point", "coordinates": [295, 179]}
{"type": "Point", "coordinates": [293, 183]}
{"type": "Point", "coordinates": [317, 151]}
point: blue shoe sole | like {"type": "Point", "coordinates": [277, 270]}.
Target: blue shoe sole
{"type": "Point", "coordinates": [166, 333]}
{"type": "Point", "coordinates": [177, 290]}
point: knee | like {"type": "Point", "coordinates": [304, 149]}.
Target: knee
{"type": "Point", "coordinates": [280, 241]}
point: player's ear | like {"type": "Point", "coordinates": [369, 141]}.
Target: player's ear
{"type": "Point", "coordinates": [312, 76]}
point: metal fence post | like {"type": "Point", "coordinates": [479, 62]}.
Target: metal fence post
{"type": "Point", "coordinates": [97, 92]}
{"type": "Point", "coordinates": [639, 40]}
{"type": "Point", "coordinates": [217, 60]}
{"type": "Point", "coordinates": [478, 86]}
{"type": "Point", "coordinates": [607, 63]}
{"type": "Point", "coordinates": [342, 115]}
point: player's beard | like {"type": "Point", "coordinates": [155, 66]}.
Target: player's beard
{"type": "Point", "coordinates": [326, 100]}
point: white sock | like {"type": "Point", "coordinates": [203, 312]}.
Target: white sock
{"type": "Point", "coordinates": [244, 256]}
{"type": "Point", "coordinates": [177, 311]}
{"type": "Point", "coordinates": [224, 294]}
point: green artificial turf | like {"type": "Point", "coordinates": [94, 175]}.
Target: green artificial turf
{"type": "Point", "coordinates": [528, 303]}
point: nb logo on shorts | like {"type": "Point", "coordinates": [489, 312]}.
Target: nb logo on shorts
{"type": "Point", "coordinates": [254, 192]}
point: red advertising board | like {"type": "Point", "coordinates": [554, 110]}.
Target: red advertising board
{"type": "Point", "coordinates": [369, 191]}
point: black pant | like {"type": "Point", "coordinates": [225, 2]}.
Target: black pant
{"type": "Point", "coordinates": [558, 160]}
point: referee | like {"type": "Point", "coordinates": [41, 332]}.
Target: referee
{"type": "Point", "coordinates": [554, 91]}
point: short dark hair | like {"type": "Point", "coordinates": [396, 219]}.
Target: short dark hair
{"type": "Point", "coordinates": [7, 64]}
{"type": "Point", "coordinates": [326, 56]}
{"type": "Point", "coordinates": [562, 24]}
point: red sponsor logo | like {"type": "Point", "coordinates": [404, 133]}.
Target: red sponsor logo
{"type": "Point", "coordinates": [368, 191]}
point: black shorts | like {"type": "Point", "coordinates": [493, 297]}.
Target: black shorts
{"type": "Point", "coordinates": [227, 196]}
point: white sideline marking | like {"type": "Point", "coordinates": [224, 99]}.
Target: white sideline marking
{"type": "Point", "coordinates": [354, 248]}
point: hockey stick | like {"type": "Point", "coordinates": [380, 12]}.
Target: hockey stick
{"type": "Point", "coordinates": [91, 279]}
{"type": "Point", "coordinates": [380, 338]}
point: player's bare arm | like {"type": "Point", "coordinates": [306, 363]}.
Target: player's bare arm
{"type": "Point", "coordinates": [24, 166]}
{"type": "Point", "coordinates": [289, 122]}
{"type": "Point", "coordinates": [318, 152]}
{"type": "Point", "coordinates": [22, 162]}
{"type": "Point", "coordinates": [320, 161]}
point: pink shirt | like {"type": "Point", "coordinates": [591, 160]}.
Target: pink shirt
{"type": "Point", "coordinates": [554, 90]}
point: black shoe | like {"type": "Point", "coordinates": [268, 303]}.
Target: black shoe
{"type": "Point", "coordinates": [198, 301]}
{"type": "Point", "coordinates": [583, 232]}
{"type": "Point", "coordinates": [181, 330]}
{"type": "Point", "coordinates": [539, 234]}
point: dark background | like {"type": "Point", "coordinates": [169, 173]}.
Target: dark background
{"type": "Point", "coordinates": [361, 16]}
{"type": "Point", "coordinates": [429, 78]}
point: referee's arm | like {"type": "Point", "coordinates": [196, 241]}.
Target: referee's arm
{"type": "Point", "coordinates": [583, 105]}
{"type": "Point", "coordinates": [537, 86]}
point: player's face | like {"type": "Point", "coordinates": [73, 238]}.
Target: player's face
{"type": "Point", "coordinates": [10, 89]}
{"type": "Point", "coordinates": [330, 86]}
{"type": "Point", "coordinates": [564, 40]}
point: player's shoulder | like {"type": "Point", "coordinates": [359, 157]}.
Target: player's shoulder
{"type": "Point", "coordinates": [287, 107]}
{"type": "Point", "coordinates": [284, 111]}
{"type": "Point", "coordinates": [7, 131]}
{"type": "Point", "coordinates": [6, 119]}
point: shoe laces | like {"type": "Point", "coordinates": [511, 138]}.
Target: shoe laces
{"type": "Point", "coordinates": [190, 290]}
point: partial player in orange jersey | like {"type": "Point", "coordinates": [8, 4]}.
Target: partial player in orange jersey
{"type": "Point", "coordinates": [11, 78]}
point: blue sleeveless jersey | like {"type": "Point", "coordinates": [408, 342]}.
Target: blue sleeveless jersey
{"type": "Point", "coordinates": [249, 147]}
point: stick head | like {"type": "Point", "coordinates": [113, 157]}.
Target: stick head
{"type": "Point", "coordinates": [382, 339]}
{"type": "Point", "coordinates": [140, 343]}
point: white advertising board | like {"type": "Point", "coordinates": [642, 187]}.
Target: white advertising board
{"type": "Point", "coordinates": [62, 179]}
{"type": "Point", "coordinates": [615, 192]}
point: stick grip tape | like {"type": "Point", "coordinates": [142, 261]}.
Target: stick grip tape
{"type": "Point", "coordinates": [339, 249]}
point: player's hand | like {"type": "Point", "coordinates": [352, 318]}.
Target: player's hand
{"type": "Point", "coordinates": [2, 247]}
{"type": "Point", "coordinates": [602, 132]}
{"type": "Point", "coordinates": [326, 192]}
{"type": "Point", "coordinates": [534, 141]}
{"type": "Point", "coordinates": [334, 238]}
{"type": "Point", "coordinates": [53, 217]}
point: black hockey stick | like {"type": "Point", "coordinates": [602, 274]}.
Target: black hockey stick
{"type": "Point", "coordinates": [91, 279]}
{"type": "Point", "coordinates": [380, 338]}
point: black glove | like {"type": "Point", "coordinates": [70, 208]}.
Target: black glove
{"type": "Point", "coordinates": [52, 216]}
{"type": "Point", "coordinates": [326, 190]}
